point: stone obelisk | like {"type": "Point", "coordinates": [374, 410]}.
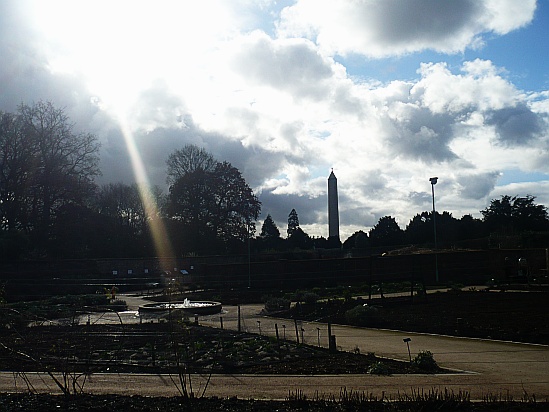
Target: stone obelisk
{"type": "Point", "coordinates": [333, 210]}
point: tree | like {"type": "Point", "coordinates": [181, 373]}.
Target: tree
{"type": "Point", "coordinates": [45, 165]}
{"type": "Point", "coordinates": [269, 237]}
{"type": "Point", "coordinates": [269, 230]}
{"type": "Point", "coordinates": [386, 232]}
{"type": "Point", "coordinates": [122, 203]}
{"type": "Point", "coordinates": [515, 215]}
{"type": "Point", "coordinates": [470, 228]}
{"type": "Point", "coordinates": [358, 240]}
{"type": "Point", "coordinates": [361, 240]}
{"type": "Point", "coordinates": [125, 220]}
{"type": "Point", "coordinates": [213, 206]}
{"type": "Point", "coordinates": [16, 165]}
{"type": "Point", "coordinates": [293, 222]}
{"type": "Point", "coordinates": [188, 160]}
{"type": "Point", "coordinates": [420, 228]}
{"type": "Point", "coordinates": [300, 240]}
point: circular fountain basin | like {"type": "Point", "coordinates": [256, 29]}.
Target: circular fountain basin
{"type": "Point", "coordinates": [187, 306]}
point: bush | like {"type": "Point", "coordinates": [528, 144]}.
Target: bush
{"type": "Point", "coordinates": [378, 368]}
{"type": "Point", "coordinates": [277, 304]}
{"type": "Point", "coordinates": [363, 315]}
{"type": "Point", "coordinates": [310, 298]}
{"type": "Point", "coordinates": [425, 361]}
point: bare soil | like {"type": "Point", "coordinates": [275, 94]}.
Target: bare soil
{"type": "Point", "coordinates": [48, 403]}
{"type": "Point", "coordinates": [168, 348]}
{"type": "Point", "coordinates": [513, 316]}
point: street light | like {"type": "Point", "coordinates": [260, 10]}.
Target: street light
{"type": "Point", "coordinates": [249, 257]}
{"type": "Point", "coordinates": [434, 181]}
{"type": "Point", "coordinates": [408, 340]}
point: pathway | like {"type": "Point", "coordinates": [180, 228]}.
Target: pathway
{"type": "Point", "coordinates": [491, 367]}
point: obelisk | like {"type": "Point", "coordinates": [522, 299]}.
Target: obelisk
{"type": "Point", "coordinates": [333, 210]}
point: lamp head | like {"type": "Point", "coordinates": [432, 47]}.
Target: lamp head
{"type": "Point", "coordinates": [433, 180]}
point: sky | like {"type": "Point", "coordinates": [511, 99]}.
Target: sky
{"type": "Point", "coordinates": [386, 93]}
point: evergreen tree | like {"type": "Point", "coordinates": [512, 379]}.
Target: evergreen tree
{"type": "Point", "coordinates": [269, 229]}
{"type": "Point", "coordinates": [293, 222]}
{"type": "Point", "coordinates": [300, 240]}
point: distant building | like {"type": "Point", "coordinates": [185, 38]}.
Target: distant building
{"type": "Point", "coordinates": [333, 210]}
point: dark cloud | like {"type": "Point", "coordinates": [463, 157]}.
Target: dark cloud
{"type": "Point", "coordinates": [516, 125]}
{"type": "Point", "coordinates": [372, 183]}
{"type": "Point", "coordinates": [423, 135]}
{"type": "Point", "coordinates": [420, 198]}
{"type": "Point", "coordinates": [294, 66]}
{"type": "Point", "coordinates": [24, 73]}
{"type": "Point", "coordinates": [405, 23]}
{"type": "Point", "coordinates": [393, 27]}
{"type": "Point", "coordinates": [477, 186]}
{"type": "Point", "coordinates": [115, 162]}
{"type": "Point", "coordinates": [309, 209]}
{"type": "Point", "coordinates": [357, 217]}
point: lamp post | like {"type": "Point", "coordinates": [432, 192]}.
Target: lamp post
{"type": "Point", "coordinates": [249, 257]}
{"type": "Point", "coordinates": [407, 340]}
{"type": "Point", "coordinates": [434, 181]}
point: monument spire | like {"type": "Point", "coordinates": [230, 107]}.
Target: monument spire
{"type": "Point", "coordinates": [333, 210]}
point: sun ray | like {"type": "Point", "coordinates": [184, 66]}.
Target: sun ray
{"type": "Point", "coordinates": [161, 240]}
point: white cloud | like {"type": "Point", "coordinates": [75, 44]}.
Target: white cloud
{"type": "Point", "coordinates": [283, 110]}
{"type": "Point", "coordinates": [393, 27]}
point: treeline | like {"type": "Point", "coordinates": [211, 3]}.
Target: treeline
{"type": "Point", "coordinates": [507, 222]}
{"type": "Point", "coordinates": [51, 207]}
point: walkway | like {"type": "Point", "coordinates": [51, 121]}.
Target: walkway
{"type": "Point", "coordinates": [486, 367]}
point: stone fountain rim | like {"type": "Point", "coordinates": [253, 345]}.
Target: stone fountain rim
{"type": "Point", "coordinates": [209, 308]}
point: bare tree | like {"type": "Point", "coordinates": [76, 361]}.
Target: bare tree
{"type": "Point", "coordinates": [44, 165]}
{"type": "Point", "coordinates": [189, 159]}
{"type": "Point", "coordinates": [16, 164]}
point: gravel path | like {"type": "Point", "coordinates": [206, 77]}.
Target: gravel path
{"type": "Point", "coordinates": [492, 367]}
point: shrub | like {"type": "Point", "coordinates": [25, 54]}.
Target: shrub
{"type": "Point", "coordinates": [425, 361]}
{"type": "Point", "coordinates": [310, 298]}
{"type": "Point", "coordinates": [378, 368]}
{"type": "Point", "coordinates": [277, 304]}
{"type": "Point", "coordinates": [363, 315]}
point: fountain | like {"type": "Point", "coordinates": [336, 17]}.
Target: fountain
{"type": "Point", "coordinates": [186, 306]}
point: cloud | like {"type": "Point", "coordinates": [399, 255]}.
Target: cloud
{"type": "Point", "coordinates": [293, 65]}
{"type": "Point", "coordinates": [281, 106]}
{"type": "Point", "coordinates": [311, 211]}
{"type": "Point", "coordinates": [477, 186]}
{"type": "Point", "coordinates": [515, 125]}
{"type": "Point", "coordinates": [392, 27]}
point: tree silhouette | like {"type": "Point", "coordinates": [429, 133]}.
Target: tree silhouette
{"type": "Point", "coordinates": [515, 214]}
{"type": "Point", "coordinates": [188, 160]}
{"type": "Point", "coordinates": [293, 222]}
{"type": "Point", "coordinates": [213, 207]}
{"type": "Point", "coordinates": [269, 230]}
{"type": "Point", "coordinates": [44, 166]}
{"type": "Point", "coordinates": [358, 240]}
{"type": "Point", "coordinates": [386, 232]}
{"type": "Point", "coordinates": [420, 229]}
{"type": "Point", "coordinates": [300, 240]}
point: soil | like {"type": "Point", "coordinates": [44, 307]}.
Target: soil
{"type": "Point", "coordinates": [48, 403]}
{"type": "Point", "coordinates": [167, 348]}
{"type": "Point", "coordinates": [155, 347]}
